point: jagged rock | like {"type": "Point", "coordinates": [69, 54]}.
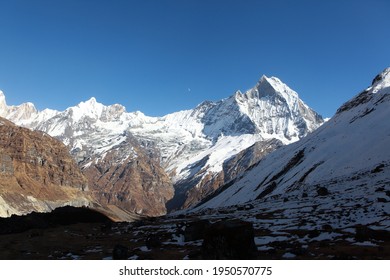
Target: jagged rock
{"type": "Point", "coordinates": [230, 239]}
{"type": "Point", "coordinates": [378, 168]}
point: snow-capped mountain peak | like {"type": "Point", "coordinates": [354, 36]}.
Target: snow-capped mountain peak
{"type": "Point", "coordinates": [273, 87]}
{"type": "Point", "coordinates": [22, 112]}
{"type": "Point", "coordinates": [3, 104]}
{"type": "Point", "coordinates": [376, 93]}
{"type": "Point", "coordinates": [94, 111]}
{"type": "Point", "coordinates": [381, 81]}
{"type": "Point", "coordinates": [90, 108]}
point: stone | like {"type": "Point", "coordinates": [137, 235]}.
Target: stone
{"type": "Point", "coordinates": [322, 191]}
{"type": "Point", "coordinates": [195, 230]}
{"type": "Point", "coordinates": [153, 241]}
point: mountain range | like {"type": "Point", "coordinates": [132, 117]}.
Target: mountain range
{"type": "Point", "coordinates": [145, 164]}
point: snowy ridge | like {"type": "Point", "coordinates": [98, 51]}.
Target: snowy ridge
{"type": "Point", "coordinates": [381, 81]}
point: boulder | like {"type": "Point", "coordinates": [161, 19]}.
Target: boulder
{"type": "Point", "coordinates": [229, 239]}
{"type": "Point", "coordinates": [322, 191]}
{"type": "Point", "coordinates": [195, 230]}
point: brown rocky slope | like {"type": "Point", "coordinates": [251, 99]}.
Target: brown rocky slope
{"type": "Point", "coordinates": [128, 178]}
{"type": "Point", "coordinates": [37, 173]}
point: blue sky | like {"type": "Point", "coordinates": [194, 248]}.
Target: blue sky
{"type": "Point", "coordinates": [161, 56]}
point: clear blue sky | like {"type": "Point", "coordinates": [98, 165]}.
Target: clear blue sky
{"type": "Point", "coordinates": [147, 54]}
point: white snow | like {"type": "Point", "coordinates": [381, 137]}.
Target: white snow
{"type": "Point", "coordinates": [288, 255]}
{"type": "Point", "coordinates": [366, 243]}
{"type": "Point", "coordinates": [326, 236]}
{"type": "Point", "coordinates": [264, 240]}
{"type": "Point", "coordinates": [144, 249]}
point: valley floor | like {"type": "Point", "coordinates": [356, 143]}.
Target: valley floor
{"type": "Point", "coordinates": [278, 234]}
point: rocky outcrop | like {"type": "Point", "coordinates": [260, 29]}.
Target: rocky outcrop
{"type": "Point", "coordinates": [229, 240]}
{"type": "Point", "coordinates": [36, 173]}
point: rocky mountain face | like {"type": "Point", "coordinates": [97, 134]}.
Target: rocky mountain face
{"type": "Point", "coordinates": [267, 116]}
{"type": "Point", "coordinates": [191, 146]}
{"type": "Point", "coordinates": [338, 177]}
{"type": "Point", "coordinates": [134, 182]}
{"type": "Point", "coordinates": [36, 172]}
{"type": "Point", "coordinates": [207, 183]}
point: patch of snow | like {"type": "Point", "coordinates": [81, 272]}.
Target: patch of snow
{"type": "Point", "coordinates": [263, 240]}
{"type": "Point", "coordinates": [144, 249]}
{"type": "Point", "coordinates": [326, 236]}
{"type": "Point", "coordinates": [366, 243]}
{"type": "Point", "coordinates": [288, 255]}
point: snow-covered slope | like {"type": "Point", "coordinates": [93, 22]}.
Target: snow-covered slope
{"type": "Point", "coordinates": [194, 144]}
{"type": "Point", "coordinates": [342, 168]}
{"type": "Point", "coordinates": [185, 142]}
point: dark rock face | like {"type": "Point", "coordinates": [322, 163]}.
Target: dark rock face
{"type": "Point", "coordinates": [230, 239]}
